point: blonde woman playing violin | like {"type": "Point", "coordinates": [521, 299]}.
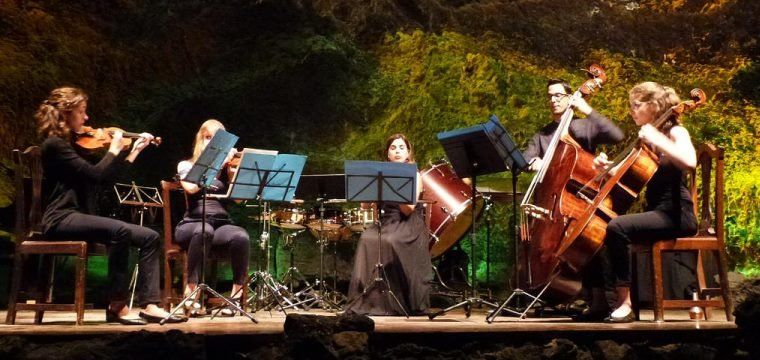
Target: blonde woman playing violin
{"type": "Point", "coordinates": [219, 227]}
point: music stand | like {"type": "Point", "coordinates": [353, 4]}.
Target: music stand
{"type": "Point", "coordinates": [378, 182]}
{"type": "Point", "coordinates": [479, 150]}
{"type": "Point", "coordinates": [203, 173]}
{"type": "Point", "coordinates": [141, 198]}
{"type": "Point", "coordinates": [268, 177]}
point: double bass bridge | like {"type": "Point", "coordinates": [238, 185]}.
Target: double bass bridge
{"type": "Point", "coordinates": [536, 212]}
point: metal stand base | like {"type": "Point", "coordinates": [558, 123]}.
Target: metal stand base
{"type": "Point", "coordinates": [466, 304]}
{"type": "Point", "coordinates": [381, 284]}
{"type": "Point", "coordinates": [516, 295]}
{"type": "Point", "coordinates": [205, 288]}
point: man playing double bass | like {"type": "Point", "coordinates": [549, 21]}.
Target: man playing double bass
{"type": "Point", "coordinates": [590, 132]}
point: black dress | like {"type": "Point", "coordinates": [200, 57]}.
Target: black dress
{"type": "Point", "coordinates": [404, 252]}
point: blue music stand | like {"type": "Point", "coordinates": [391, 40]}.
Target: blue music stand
{"type": "Point", "coordinates": [267, 176]}
{"type": "Point", "coordinates": [203, 173]}
{"type": "Point", "coordinates": [376, 181]}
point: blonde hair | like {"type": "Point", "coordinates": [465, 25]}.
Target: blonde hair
{"type": "Point", "coordinates": [663, 97]}
{"type": "Point", "coordinates": [52, 113]}
{"type": "Point", "coordinates": [206, 127]}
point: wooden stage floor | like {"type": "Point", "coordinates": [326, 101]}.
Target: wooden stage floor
{"type": "Point", "coordinates": [62, 324]}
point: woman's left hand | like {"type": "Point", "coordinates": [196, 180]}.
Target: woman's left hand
{"type": "Point", "coordinates": [651, 135]}
{"type": "Point", "coordinates": [142, 142]}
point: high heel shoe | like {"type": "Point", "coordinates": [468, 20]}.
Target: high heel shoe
{"type": "Point", "coordinates": [229, 311]}
{"type": "Point", "coordinates": [192, 308]}
{"type": "Point", "coordinates": [113, 317]}
{"type": "Point", "coordinates": [628, 318]}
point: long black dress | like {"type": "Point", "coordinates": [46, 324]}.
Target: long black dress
{"type": "Point", "coordinates": [404, 252]}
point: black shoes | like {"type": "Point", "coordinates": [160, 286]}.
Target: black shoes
{"type": "Point", "coordinates": [588, 315]}
{"type": "Point", "coordinates": [157, 319]}
{"type": "Point", "coordinates": [112, 317]}
{"type": "Point", "coordinates": [630, 317]}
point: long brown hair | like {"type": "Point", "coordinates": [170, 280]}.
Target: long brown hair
{"type": "Point", "coordinates": [389, 141]}
{"type": "Point", "coordinates": [205, 128]}
{"type": "Point", "coordinates": [51, 114]}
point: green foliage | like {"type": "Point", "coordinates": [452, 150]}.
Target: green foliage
{"type": "Point", "coordinates": [429, 83]}
{"type": "Point", "coordinates": [333, 79]}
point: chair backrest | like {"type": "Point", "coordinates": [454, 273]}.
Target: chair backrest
{"type": "Point", "coordinates": [172, 213]}
{"type": "Point", "coordinates": [707, 186]}
{"type": "Point", "coordinates": [28, 202]}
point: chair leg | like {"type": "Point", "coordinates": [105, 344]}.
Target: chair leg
{"type": "Point", "coordinates": [635, 286]}
{"type": "Point", "coordinates": [18, 262]}
{"type": "Point", "coordinates": [702, 283]}
{"type": "Point", "coordinates": [167, 288]}
{"type": "Point", "coordinates": [657, 291]}
{"type": "Point", "coordinates": [45, 285]}
{"type": "Point", "coordinates": [724, 289]}
{"type": "Point", "coordinates": [80, 285]}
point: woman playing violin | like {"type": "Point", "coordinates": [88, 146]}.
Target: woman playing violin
{"type": "Point", "coordinates": [67, 214]}
{"type": "Point", "coordinates": [669, 208]}
{"type": "Point", "coordinates": [219, 227]}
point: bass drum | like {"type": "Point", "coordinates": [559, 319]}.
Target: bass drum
{"type": "Point", "coordinates": [448, 207]}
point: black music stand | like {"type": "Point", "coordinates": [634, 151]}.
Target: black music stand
{"type": "Point", "coordinates": [378, 182]}
{"type": "Point", "coordinates": [479, 150]}
{"type": "Point", "coordinates": [203, 173]}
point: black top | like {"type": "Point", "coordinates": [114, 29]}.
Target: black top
{"type": "Point", "coordinates": [667, 190]}
{"type": "Point", "coordinates": [214, 208]}
{"type": "Point", "coordinates": [594, 130]}
{"type": "Point", "coordinates": [72, 179]}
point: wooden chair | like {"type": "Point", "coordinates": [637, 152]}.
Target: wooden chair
{"type": "Point", "coordinates": [175, 256]}
{"type": "Point", "coordinates": [30, 241]}
{"type": "Point", "coordinates": [710, 237]}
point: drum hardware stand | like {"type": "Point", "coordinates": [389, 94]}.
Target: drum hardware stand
{"type": "Point", "coordinates": [142, 198]}
{"type": "Point", "coordinates": [474, 299]}
{"type": "Point", "coordinates": [265, 290]}
{"type": "Point", "coordinates": [319, 290]}
{"type": "Point", "coordinates": [487, 211]}
{"type": "Point", "coordinates": [380, 276]}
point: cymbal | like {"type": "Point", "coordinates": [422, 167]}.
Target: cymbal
{"type": "Point", "coordinates": [336, 201]}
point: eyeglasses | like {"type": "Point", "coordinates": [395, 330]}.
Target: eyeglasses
{"type": "Point", "coordinates": [558, 96]}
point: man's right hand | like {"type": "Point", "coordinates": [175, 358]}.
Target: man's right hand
{"type": "Point", "coordinates": [535, 164]}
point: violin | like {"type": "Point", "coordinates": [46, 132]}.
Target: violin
{"type": "Point", "coordinates": [92, 139]}
{"type": "Point", "coordinates": [234, 163]}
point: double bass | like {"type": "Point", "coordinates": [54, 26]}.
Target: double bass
{"type": "Point", "coordinates": [549, 202]}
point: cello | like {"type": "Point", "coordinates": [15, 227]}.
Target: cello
{"type": "Point", "coordinates": [549, 202]}
{"type": "Point", "coordinates": [621, 184]}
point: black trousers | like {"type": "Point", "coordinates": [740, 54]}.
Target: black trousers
{"type": "Point", "coordinates": [645, 227]}
{"type": "Point", "coordinates": [118, 236]}
{"type": "Point", "coordinates": [188, 236]}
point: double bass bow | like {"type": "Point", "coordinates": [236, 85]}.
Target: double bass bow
{"type": "Point", "coordinates": [548, 201]}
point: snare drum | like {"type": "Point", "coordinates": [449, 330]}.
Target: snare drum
{"type": "Point", "coordinates": [288, 219]}
{"type": "Point", "coordinates": [450, 208]}
{"type": "Point", "coordinates": [331, 227]}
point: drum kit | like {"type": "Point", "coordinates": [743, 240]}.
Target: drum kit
{"type": "Point", "coordinates": [448, 213]}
